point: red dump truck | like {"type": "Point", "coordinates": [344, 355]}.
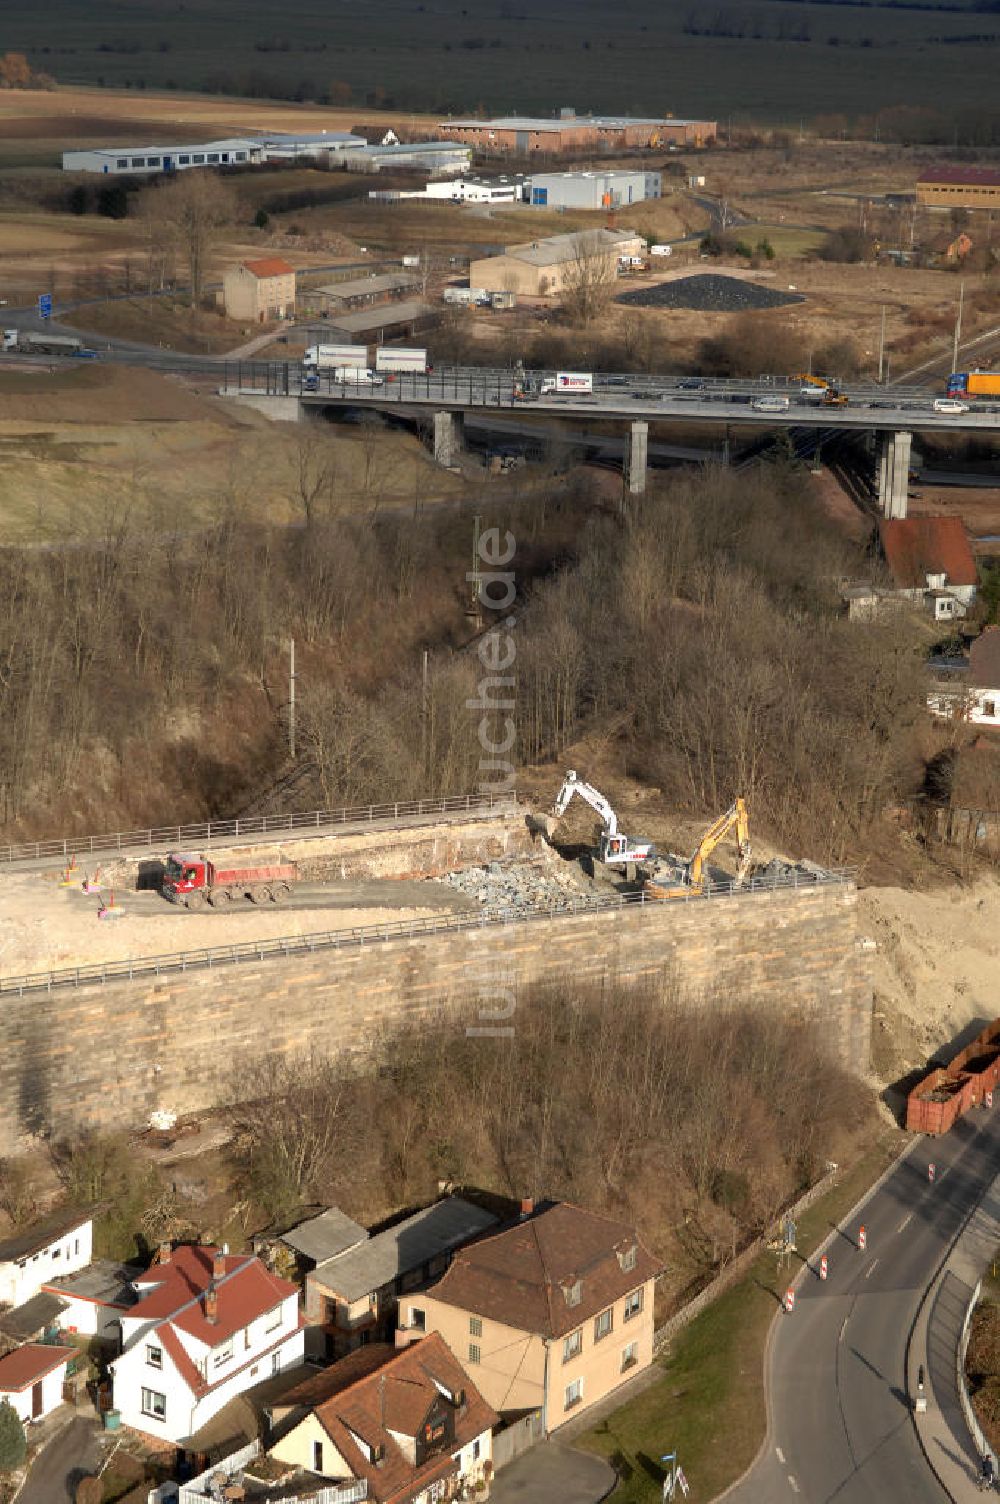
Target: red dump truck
{"type": "Point", "coordinates": [949, 1091]}
{"type": "Point", "coordinates": [195, 881]}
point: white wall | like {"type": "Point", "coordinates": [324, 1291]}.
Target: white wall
{"type": "Point", "coordinates": [90, 1318]}
{"type": "Point", "coordinates": [23, 1278]}
{"type": "Point", "coordinates": [51, 1394]}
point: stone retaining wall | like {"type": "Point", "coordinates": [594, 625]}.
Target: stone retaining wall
{"type": "Point", "coordinates": [105, 1056]}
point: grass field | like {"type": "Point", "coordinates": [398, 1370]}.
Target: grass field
{"type": "Point", "coordinates": [711, 1390]}
{"type": "Point", "coordinates": [774, 60]}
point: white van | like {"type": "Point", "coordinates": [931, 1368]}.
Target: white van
{"type": "Point", "coordinates": [770, 404]}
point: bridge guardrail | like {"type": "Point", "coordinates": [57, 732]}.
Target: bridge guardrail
{"type": "Point", "coordinates": [178, 836]}
{"type": "Point", "coordinates": [249, 951]}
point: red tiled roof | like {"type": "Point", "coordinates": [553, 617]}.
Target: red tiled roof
{"type": "Point", "coordinates": [26, 1365]}
{"type": "Point", "coordinates": [915, 547]}
{"type": "Point", "coordinates": [244, 1291]}
{"type": "Point", "coordinates": [270, 266]}
{"type": "Point", "coordinates": [520, 1276]}
{"type": "Point", "coordinates": [980, 177]}
{"type": "Point", "coordinates": [984, 660]}
{"type": "Point", "coordinates": [400, 1396]}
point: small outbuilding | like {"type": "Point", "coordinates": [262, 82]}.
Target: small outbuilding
{"type": "Point", "coordinates": [32, 1377]}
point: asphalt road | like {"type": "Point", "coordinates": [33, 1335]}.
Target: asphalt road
{"type": "Point", "coordinates": [841, 1423]}
{"type": "Point", "coordinates": [72, 1454]}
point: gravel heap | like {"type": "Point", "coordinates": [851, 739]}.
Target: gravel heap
{"type": "Point", "coordinates": [515, 885]}
{"type": "Point", "coordinates": [712, 293]}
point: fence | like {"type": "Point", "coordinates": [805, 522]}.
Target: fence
{"type": "Point", "coordinates": [971, 1420]}
{"type": "Point", "coordinates": [735, 1269]}
{"type": "Point", "coordinates": [515, 1439]}
{"type": "Point", "coordinates": [179, 836]}
{"type": "Point", "coordinates": [205, 1486]}
{"type": "Point", "coordinates": [249, 951]}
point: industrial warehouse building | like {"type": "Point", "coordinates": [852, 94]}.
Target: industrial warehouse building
{"type": "Point", "coordinates": [149, 160]}
{"type": "Point", "coordinates": [592, 190]}
{"type": "Point", "coordinates": [543, 268]}
{"type": "Point", "coordinates": [436, 157]}
{"type": "Point", "coordinates": [362, 292]}
{"type": "Point", "coordinates": [576, 133]}
{"type": "Point", "coordinates": [959, 188]}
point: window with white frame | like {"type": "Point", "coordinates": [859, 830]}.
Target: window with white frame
{"type": "Point", "coordinates": [630, 1355]}
{"type": "Point", "coordinates": [154, 1355]}
{"type": "Point", "coordinates": [602, 1324]}
{"type": "Point", "coordinates": [573, 1394]}
{"type": "Point", "coordinates": [573, 1345]}
{"type": "Point", "coordinates": [474, 1352]}
{"type": "Point", "coordinates": [154, 1404]}
{"type": "Point", "coordinates": [273, 1320]}
{"type": "Point", "coordinates": [475, 1326]}
{"type": "Point", "coordinates": [628, 1259]}
{"type": "Point", "coordinates": [418, 1318]}
{"type": "Point", "coordinates": [633, 1304]}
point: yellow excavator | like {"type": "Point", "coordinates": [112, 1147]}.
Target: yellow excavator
{"type": "Point", "coordinates": [689, 877]}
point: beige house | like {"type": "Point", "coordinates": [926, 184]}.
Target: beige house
{"type": "Point", "coordinates": [544, 268]}
{"type": "Point", "coordinates": [408, 1427]}
{"type": "Point", "coordinates": [259, 292]}
{"type": "Point", "coordinates": [550, 1315]}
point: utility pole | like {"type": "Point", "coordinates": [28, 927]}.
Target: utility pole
{"type": "Point", "coordinates": [423, 717]}
{"type": "Point", "coordinates": [958, 327]}
{"type": "Point", "coordinates": [291, 698]}
{"type": "Point", "coordinates": [881, 350]}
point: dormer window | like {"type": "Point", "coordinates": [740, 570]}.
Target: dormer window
{"type": "Point", "coordinates": [628, 1258]}
{"type": "Point", "coordinates": [573, 1293]}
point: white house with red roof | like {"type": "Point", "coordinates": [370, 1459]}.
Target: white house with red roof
{"type": "Point", "coordinates": [206, 1326]}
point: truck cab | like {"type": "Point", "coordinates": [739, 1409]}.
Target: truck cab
{"type": "Point", "coordinates": [184, 874]}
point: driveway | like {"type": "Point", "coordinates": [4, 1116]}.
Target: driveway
{"type": "Point", "coordinates": [553, 1474]}
{"type": "Point", "coordinates": [69, 1456]}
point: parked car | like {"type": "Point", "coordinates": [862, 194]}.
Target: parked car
{"type": "Point", "coordinates": [691, 384]}
{"type": "Point", "coordinates": [950, 405]}
{"type": "Point", "coordinates": [770, 404]}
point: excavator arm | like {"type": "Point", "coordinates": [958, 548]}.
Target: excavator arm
{"type": "Point", "coordinates": [735, 816]}
{"type": "Point", "coordinates": [574, 785]}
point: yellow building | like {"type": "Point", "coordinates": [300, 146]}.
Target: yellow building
{"type": "Point", "coordinates": [259, 292]}
{"type": "Point", "coordinates": [550, 1315]}
{"type": "Point", "coordinates": [959, 188]}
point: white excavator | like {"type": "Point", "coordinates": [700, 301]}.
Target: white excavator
{"type": "Point", "coordinates": [615, 849]}
{"type": "Point", "coordinates": [674, 880]}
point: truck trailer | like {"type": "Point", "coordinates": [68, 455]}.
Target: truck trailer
{"type": "Point", "coordinates": [325, 357]}
{"type": "Point", "coordinates": [33, 343]}
{"type": "Point", "coordinates": [974, 384]}
{"type": "Point", "coordinates": [194, 881]}
{"type": "Point", "coordinates": [411, 362]}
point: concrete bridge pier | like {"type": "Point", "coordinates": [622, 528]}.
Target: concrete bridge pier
{"type": "Point", "coordinates": [635, 458]}
{"type": "Point", "coordinates": [893, 456]}
{"type": "Point", "coordinates": [447, 438]}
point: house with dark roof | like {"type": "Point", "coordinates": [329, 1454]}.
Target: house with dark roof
{"type": "Point", "coordinates": [259, 291]}
{"type": "Point", "coordinates": [409, 1425]}
{"type": "Point", "coordinates": [968, 689]}
{"type": "Point", "coordinates": [207, 1325]}
{"type": "Point", "coordinates": [548, 1315]}
{"type": "Point", "coordinates": [29, 1258]}
{"type": "Point", "coordinates": [352, 1297]}
{"type": "Point", "coordinates": [930, 563]}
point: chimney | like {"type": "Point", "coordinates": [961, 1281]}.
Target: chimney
{"type": "Point", "coordinates": [163, 1253]}
{"type": "Point", "coordinates": [212, 1304]}
{"type": "Point", "coordinates": [218, 1264]}
{"type": "Point", "coordinates": [527, 1206]}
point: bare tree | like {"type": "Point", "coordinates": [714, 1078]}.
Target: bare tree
{"type": "Point", "coordinates": [589, 278]}
{"type": "Point", "coordinates": [191, 210]}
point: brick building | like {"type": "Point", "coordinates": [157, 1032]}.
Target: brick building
{"type": "Point", "coordinates": [258, 292]}
{"type": "Point", "coordinates": [570, 133]}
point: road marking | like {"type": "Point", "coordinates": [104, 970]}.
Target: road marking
{"type": "Point", "coordinates": [780, 1455]}
{"type": "Point", "coordinates": [905, 1222]}
{"type": "Point", "coordinates": [843, 1329]}
{"type": "Point", "coordinates": [871, 1270]}
{"type": "Point", "coordinates": [793, 1484]}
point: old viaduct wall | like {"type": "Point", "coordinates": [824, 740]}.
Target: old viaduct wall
{"type": "Point", "coordinates": [104, 1056]}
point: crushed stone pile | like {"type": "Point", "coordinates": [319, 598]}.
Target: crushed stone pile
{"type": "Point", "coordinates": [503, 886]}
{"type": "Point", "coordinates": [711, 293]}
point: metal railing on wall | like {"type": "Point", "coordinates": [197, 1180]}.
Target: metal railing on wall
{"type": "Point", "coordinates": [251, 952]}
{"type": "Point", "coordinates": [177, 836]}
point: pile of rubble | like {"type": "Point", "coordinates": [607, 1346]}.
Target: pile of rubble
{"type": "Point", "coordinates": [518, 885]}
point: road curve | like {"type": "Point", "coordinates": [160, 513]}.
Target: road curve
{"type": "Point", "coordinates": [840, 1418]}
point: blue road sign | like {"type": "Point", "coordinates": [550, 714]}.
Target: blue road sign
{"type": "Point", "coordinates": [45, 305]}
